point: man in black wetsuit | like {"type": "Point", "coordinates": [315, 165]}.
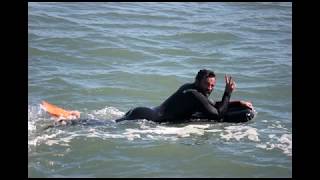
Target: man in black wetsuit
{"type": "Point", "coordinates": [192, 98]}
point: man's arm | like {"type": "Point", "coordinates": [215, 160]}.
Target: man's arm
{"type": "Point", "coordinates": [230, 105]}
{"type": "Point", "coordinates": [229, 88]}
{"type": "Point", "coordinates": [213, 103]}
{"type": "Point", "coordinates": [209, 108]}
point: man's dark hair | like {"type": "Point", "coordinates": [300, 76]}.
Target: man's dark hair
{"type": "Point", "coordinates": [203, 73]}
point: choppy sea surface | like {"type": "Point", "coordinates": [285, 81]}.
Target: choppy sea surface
{"type": "Point", "coordinates": [104, 58]}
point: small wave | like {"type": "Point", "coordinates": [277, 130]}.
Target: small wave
{"type": "Point", "coordinates": [203, 37]}
{"type": "Point", "coordinates": [117, 53]}
{"type": "Point", "coordinates": [177, 52]}
{"type": "Point", "coordinates": [62, 44]}
{"type": "Point", "coordinates": [141, 129]}
{"type": "Point", "coordinates": [139, 25]}
{"type": "Point", "coordinates": [253, 48]}
{"type": "Point", "coordinates": [139, 16]}
{"type": "Point", "coordinates": [43, 139]}
{"type": "Point", "coordinates": [45, 19]}
{"type": "Point", "coordinates": [57, 80]}
{"type": "Point", "coordinates": [35, 51]}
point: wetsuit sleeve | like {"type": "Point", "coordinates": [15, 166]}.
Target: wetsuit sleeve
{"type": "Point", "coordinates": [204, 105]}
{"type": "Point", "coordinates": [211, 102]}
{"type": "Point", "coordinates": [232, 104]}
{"type": "Point", "coordinates": [223, 106]}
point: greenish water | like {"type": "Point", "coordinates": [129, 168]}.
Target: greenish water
{"type": "Point", "coordinates": [105, 58]}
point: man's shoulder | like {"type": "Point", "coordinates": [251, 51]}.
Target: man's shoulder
{"type": "Point", "coordinates": [187, 86]}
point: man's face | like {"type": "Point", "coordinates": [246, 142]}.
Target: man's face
{"type": "Point", "coordinates": [207, 85]}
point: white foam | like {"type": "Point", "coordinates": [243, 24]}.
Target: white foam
{"type": "Point", "coordinates": [239, 132]}
{"type": "Point", "coordinates": [214, 130]}
{"type": "Point", "coordinates": [133, 136]}
{"type": "Point", "coordinates": [145, 130]}
{"type": "Point", "coordinates": [31, 126]}
{"type": "Point", "coordinates": [277, 125]}
{"type": "Point", "coordinates": [111, 111]}
{"type": "Point", "coordinates": [152, 133]}
{"type": "Point", "coordinates": [148, 130]}
{"type": "Point", "coordinates": [35, 114]}
{"type": "Point", "coordinates": [43, 138]}
{"type": "Point", "coordinates": [43, 108]}
{"type": "Point", "coordinates": [284, 143]}
{"type": "Point", "coordinates": [94, 133]}
{"type": "Point", "coordinates": [34, 111]}
{"type": "Point", "coordinates": [263, 146]}
{"type": "Point", "coordinates": [286, 138]}
{"type": "Point", "coordinates": [271, 136]}
{"type": "Point", "coordinates": [107, 112]}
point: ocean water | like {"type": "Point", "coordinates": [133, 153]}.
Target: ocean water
{"type": "Point", "coordinates": [104, 58]}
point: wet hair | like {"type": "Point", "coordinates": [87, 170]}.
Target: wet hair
{"type": "Point", "coordinates": [204, 73]}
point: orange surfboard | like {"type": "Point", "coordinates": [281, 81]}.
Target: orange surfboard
{"type": "Point", "coordinates": [58, 112]}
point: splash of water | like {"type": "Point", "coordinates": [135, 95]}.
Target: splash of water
{"type": "Point", "coordinates": [142, 129]}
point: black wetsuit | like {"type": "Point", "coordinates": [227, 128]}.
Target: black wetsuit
{"type": "Point", "coordinates": [187, 101]}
